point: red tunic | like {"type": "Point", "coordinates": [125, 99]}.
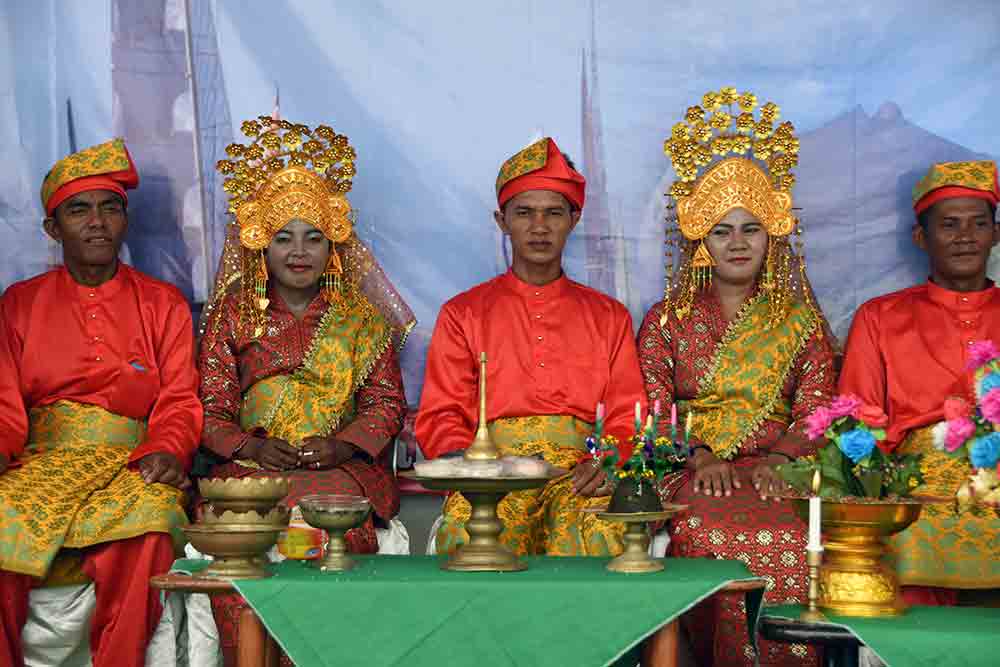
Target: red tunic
{"type": "Point", "coordinates": [231, 363]}
{"type": "Point", "coordinates": [764, 534]}
{"type": "Point", "coordinates": [907, 351]}
{"type": "Point", "coordinates": [126, 346]}
{"type": "Point", "coordinates": [556, 349]}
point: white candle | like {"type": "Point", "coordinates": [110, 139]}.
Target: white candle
{"type": "Point", "coordinates": [815, 542]}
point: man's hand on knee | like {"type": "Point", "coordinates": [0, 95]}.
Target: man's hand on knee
{"type": "Point", "coordinates": [590, 480]}
{"type": "Point", "coordinates": [163, 468]}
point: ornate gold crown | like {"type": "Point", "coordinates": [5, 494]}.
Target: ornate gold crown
{"type": "Point", "coordinates": [710, 131]}
{"type": "Point", "coordinates": [727, 158]}
{"type": "Point", "coordinates": [286, 172]}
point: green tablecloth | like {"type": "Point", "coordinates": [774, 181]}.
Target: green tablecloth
{"type": "Point", "coordinates": [404, 610]}
{"type": "Point", "coordinates": [932, 636]}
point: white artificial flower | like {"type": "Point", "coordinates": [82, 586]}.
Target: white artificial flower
{"type": "Point", "coordinates": [939, 432]}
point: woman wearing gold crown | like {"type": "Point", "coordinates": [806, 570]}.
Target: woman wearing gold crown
{"type": "Point", "coordinates": [740, 345]}
{"type": "Point", "coordinates": [299, 371]}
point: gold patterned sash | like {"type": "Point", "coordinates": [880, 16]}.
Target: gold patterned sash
{"type": "Point", "coordinates": [73, 489]}
{"type": "Point", "coordinates": [743, 386]}
{"type": "Point", "coordinates": [316, 397]}
{"type": "Point", "coordinates": [946, 547]}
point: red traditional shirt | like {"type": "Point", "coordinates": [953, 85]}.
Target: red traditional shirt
{"type": "Point", "coordinates": [674, 359]}
{"type": "Point", "coordinates": [907, 351]}
{"type": "Point", "coordinates": [126, 346]}
{"type": "Point", "coordinates": [556, 349]}
{"type": "Point", "coordinates": [230, 363]}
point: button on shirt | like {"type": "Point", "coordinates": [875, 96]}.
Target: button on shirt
{"type": "Point", "coordinates": [556, 349]}
{"type": "Point", "coordinates": [908, 351]}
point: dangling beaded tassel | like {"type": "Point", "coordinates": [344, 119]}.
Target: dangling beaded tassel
{"type": "Point", "coordinates": [260, 296]}
{"type": "Point", "coordinates": [668, 273]}
{"type": "Point", "coordinates": [703, 263]}
{"type": "Point", "coordinates": [330, 283]}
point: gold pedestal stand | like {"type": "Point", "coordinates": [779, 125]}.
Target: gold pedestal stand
{"type": "Point", "coordinates": [240, 524]}
{"type": "Point", "coordinates": [853, 579]}
{"type": "Point", "coordinates": [483, 552]}
{"type": "Point", "coordinates": [636, 559]}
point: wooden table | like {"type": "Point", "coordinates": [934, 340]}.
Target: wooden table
{"type": "Point", "coordinates": [256, 647]}
{"type": "Point", "coordinates": [661, 649]}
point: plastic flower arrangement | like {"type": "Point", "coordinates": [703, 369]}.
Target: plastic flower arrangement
{"type": "Point", "coordinates": [974, 431]}
{"type": "Point", "coordinates": [653, 456]}
{"type": "Point", "coordinates": [856, 461]}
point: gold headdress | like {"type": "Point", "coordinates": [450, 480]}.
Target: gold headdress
{"type": "Point", "coordinates": [288, 172]}
{"type": "Point", "coordinates": [724, 158]}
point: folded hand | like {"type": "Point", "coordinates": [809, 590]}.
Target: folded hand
{"type": "Point", "coordinates": [589, 480]}
{"type": "Point", "coordinates": [324, 453]}
{"type": "Point", "coordinates": [163, 468]}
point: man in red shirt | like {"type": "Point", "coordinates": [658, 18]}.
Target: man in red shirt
{"type": "Point", "coordinates": [908, 351]}
{"type": "Point", "coordinates": [99, 415]}
{"type": "Point", "coordinates": [556, 349]}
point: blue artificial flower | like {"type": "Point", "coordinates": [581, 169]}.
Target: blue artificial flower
{"type": "Point", "coordinates": [856, 444]}
{"type": "Point", "coordinates": [989, 381]}
{"type": "Point", "coordinates": [985, 451]}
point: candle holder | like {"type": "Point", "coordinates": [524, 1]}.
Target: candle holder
{"type": "Point", "coordinates": [812, 614]}
{"type": "Point", "coordinates": [484, 552]}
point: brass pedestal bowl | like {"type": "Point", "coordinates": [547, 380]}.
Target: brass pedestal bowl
{"type": "Point", "coordinates": [635, 559]}
{"type": "Point", "coordinates": [853, 579]}
{"type": "Point", "coordinates": [483, 552]}
{"type": "Point", "coordinates": [237, 541]}
{"type": "Point", "coordinates": [244, 494]}
{"type": "Point", "coordinates": [336, 515]}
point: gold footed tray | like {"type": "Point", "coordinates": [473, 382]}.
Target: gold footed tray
{"type": "Point", "coordinates": [484, 552]}
{"type": "Point", "coordinates": [238, 549]}
{"type": "Point", "coordinates": [636, 559]}
{"type": "Point", "coordinates": [853, 579]}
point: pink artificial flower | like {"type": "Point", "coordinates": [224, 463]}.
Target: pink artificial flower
{"type": "Point", "coordinates": [990, 405]}
{"type": "Point", "coordinates": [981, 353]}
{"type": "Point", "coordinates": [818, 422]}
{"type": "Point", "coordinates": [844, 405]}
{"type": "Point", "coordinates": [872, 416]}
{"type": "Point", "coordinates": [959, 430]}
{"type": "Point", "coordinates": [956, 408]}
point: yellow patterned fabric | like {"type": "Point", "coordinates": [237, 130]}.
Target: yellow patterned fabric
{"type": "Point", "coordinates": [319, 394]}
{"type": "Point", "coordinates": [548, 520]}
{"type": "Point", "coordinates": [73, 488]}
{"type": "Point", "coordinates": [105, 158]}
{"type": "Point", "coordinates": [978, 175]}
{"type": "Point", "coordinates": [744, 385]}
{"type": "Point", "coordinates": [946, 547]}
{"type": "Point", "coordinates": [530, 159]}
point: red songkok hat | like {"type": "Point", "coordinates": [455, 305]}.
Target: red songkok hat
{"type": "Point", "coordinates": [107, 166]}
{"type": "Point", "coordinates": [948, 180]}
{"type": "Point", "coordinates": [540, 166]}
